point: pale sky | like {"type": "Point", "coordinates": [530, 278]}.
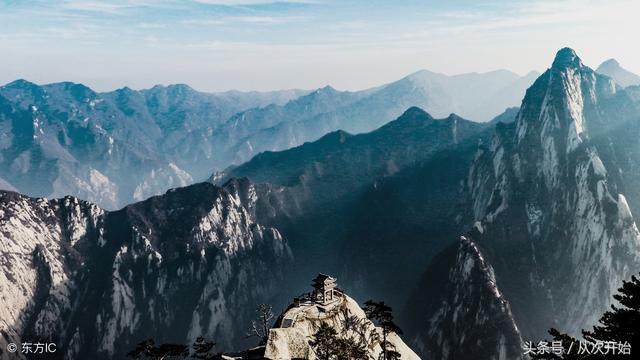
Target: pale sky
{"type": "Point", "coordinates": [216, 45]}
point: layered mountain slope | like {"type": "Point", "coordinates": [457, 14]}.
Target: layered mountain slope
{"type": "Point", "coordinates": [123, 146]}
{"type": "Point", "coordinates": [340, 163]}
{"type": "Point", "coordinates": [192, 262]}
{"type": "Point", "coordinates": [247, 133]}
{"type": "Point", "coordinates": [474, 96]}
{"type": "Point", "coordinates": [352, 198]}
{"type": "Point", "coordinates": [620, 75]}
{"type": "Point", "coordinates": [110, 148]}
{"type": "Point", "coordinates": [551, 220]}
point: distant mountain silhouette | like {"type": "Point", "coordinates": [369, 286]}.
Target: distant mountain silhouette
{"type": "Point", "coordinates": [621, 76]}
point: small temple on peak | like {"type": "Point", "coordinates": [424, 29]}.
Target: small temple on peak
{"type": "Point", "coordinates": [324, 295]}
{"type": "Point", "coordinates": [324, 289]}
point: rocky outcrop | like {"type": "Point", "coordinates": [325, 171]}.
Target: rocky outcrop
{"type": "Point", "coordinates": [42, 250]}
{"type": "Point", "coordinates": [292, 335]}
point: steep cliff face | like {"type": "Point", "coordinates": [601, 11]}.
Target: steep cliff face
{"type": "Point", "coordinates": [559, 236]}
{"type": "Point", "coordinates": [43, 247]}
{"type": "Point", "coordinates": [548, 196]}
{"type": "Point", "coordinates": [192, 262]}
{"type": "Point", "coordinates": [468, 317]}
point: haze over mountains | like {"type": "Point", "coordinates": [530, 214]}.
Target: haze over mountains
{"type": "Point", "coordinates": [123, 146]}
{"type": "Point", "coordinates": [620, 75]}
{"type": "Point", "coordinates": [479, 234]}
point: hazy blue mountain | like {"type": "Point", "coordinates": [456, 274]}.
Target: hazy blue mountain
{"type": "Point", "coordinates": [475, 96]}
{"type": "Point", "coordinates": [111, 148]}
{"type": "Point", "coordinates": [126, 145]}
{"type": "Point", "coordinates": [620, 75]}
{"type": "Point", "coordinates": [6, 186]}
{"type": "Point", "coordinates": [478, 96]}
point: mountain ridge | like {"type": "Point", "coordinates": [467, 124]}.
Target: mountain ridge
{"type": "Point", "coordinates": [106, 278]}
{"type": "Point", "coordinates": [620, 75]}
{"type": "Point", "coordinates": [125, 145]}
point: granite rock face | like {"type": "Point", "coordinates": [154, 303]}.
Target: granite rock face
{"type": "Point", "coordinates": [192, 262]}
{"type": "Point", "coordinates": [551, 216]}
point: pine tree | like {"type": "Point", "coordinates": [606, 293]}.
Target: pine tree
{"type": "Point", "coordinates": [620, 325]}
{"type": "Point", "coordinates": [349, 349]}
{"type": "Point", "coordinates": [324, 342]}
{"type": "Point", "coordinates": [382, 315]}
{"type": "Point", "coordinates": [202, 349]}
{"type": "Point", "coordinates": [260, 327]}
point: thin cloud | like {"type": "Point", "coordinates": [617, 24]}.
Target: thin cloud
{"type": "Point", "coordinates": [253, 2]}
{"type": "Point", "coordinates": [266, 36]}
{"type": "Point", "coordinates": [257, 20]}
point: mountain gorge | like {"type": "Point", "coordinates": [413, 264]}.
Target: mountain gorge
{"type": "Point", "coordinates": [348, 198]}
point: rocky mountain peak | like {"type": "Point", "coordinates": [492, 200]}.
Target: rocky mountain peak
{"type": "Point", "coordinates": [556, 104]}
{"type": "Point", "coordinates": [415, 113]}
{"type": "Point", "coordinates": [566, 58]}
{"type": "Point", "coordinates": [293, 334]}
{"type": "Point", "coordinates": [551, 189]}
{"type": "Point", "coordinates": [469, 309]}
{"type": "Point", "coordinates": [612, 63]}
{"type": "Point", "coordinates": [20, 84]}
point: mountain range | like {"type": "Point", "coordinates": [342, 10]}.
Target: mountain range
{"type": "Point", "coordinates": [481, 235]}
{"type": "Point", "coordinates": [547, 189]}
{"type": "Point", "coordinates": [123, 146]}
